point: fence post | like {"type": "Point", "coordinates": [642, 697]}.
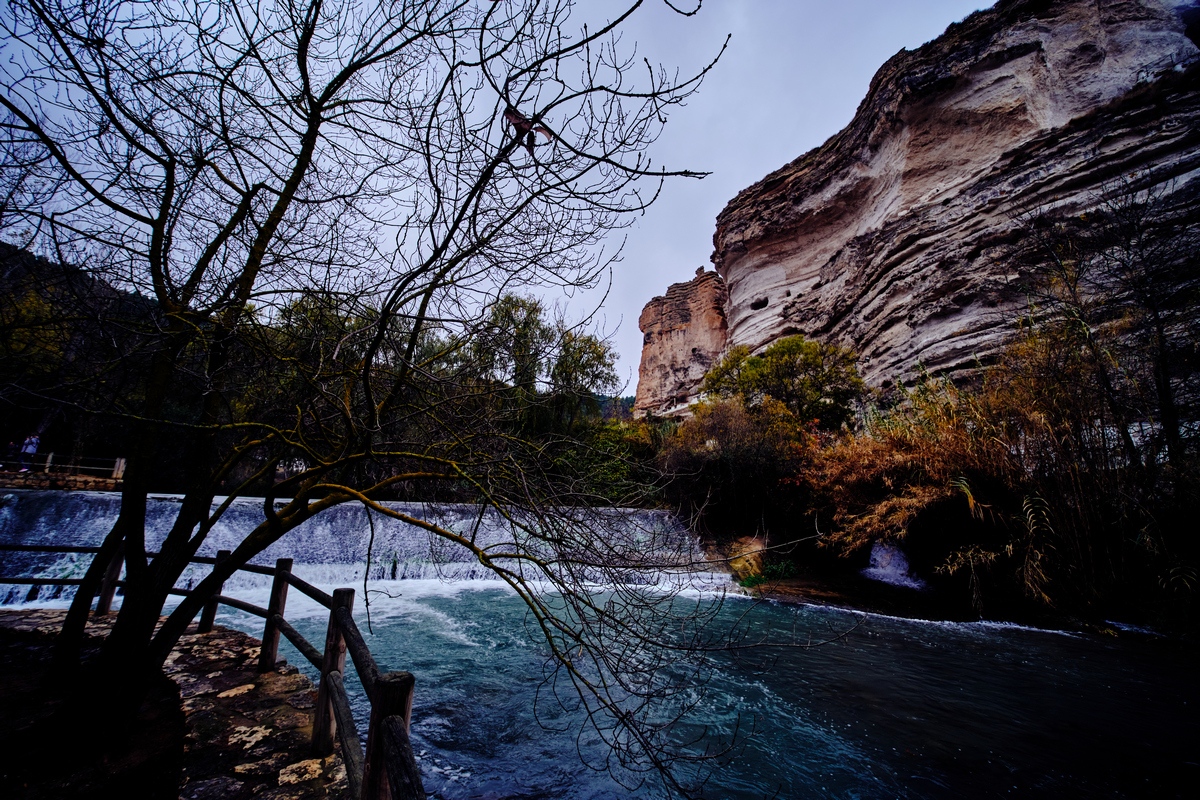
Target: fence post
{"type": "Point", "coordinates": [49, 461]}
{"type": "Point", "coordinates": [324, 723]}
{"type": "Point", "coordinates": [209, 614]}
{"type": "Point", "coordinates": [392, 697]}
{"type": "Point", "coordinates": [270, 637]}
{"type": "Point", "coordinates": [108, 584]}
{"type": "Point", "coordinates": [118, 469]}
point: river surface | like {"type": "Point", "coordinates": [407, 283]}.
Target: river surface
{"type": "Point", "coordinates": [891, 708]}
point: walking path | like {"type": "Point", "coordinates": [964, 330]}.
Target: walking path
{"type": "Point", "coordinates": [247, 734]}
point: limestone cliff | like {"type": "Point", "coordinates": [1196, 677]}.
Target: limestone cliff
{"type": "Point", "coordinates": [890, 237]}
{"type": "Point", "coordinates": [683, 334]}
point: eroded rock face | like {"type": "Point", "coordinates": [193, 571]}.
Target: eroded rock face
{"type": "Point", "coordinates": [683, 333]}
{"type": "Point", "coordinates": [890, 238]}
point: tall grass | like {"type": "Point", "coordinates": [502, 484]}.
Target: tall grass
{"type": "Point", "coordinates": [1028, 469]}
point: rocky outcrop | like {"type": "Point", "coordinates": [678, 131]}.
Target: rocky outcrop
{"type": "Point", "coordinates": [891, 237]}
{"type": "Point", "coordinates": [683, 333]}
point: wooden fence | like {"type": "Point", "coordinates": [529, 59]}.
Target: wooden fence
{"type": "Point", "coordinates": [111, 468]}
{"type": "Point", "coordinates": [386, 769]}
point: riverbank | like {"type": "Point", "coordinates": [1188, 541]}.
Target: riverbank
{"type": "Point", "coordinates": [853, 587]}
{"type": "Point", "coordinates": [854, 592]}
{"type": "Point", "coordinates": [214, 730]}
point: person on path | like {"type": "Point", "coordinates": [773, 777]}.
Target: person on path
{"type": "Point", "coordinates": [28, 450]}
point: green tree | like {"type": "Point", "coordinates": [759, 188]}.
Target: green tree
{"type": "Point", "coordinates": [555, 369]}
{"type": "Point", "coordinates": [583, 370]}
{"type": "Point", "coordinates": [513, 346]}
{"type": "Point", "coordinates": [817, 382]}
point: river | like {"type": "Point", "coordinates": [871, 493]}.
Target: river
{"type": "Point", "coordinates": [891, 708]}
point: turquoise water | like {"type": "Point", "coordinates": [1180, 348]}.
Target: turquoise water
{"type": "Point", "coordinates": [889, 708]}
{"type": "Point", "coordinates": [892, 709]}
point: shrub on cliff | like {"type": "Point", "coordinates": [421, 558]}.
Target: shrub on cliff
{"type": "Point", "coordinates": [942, 454]}
{"type": "Point", "coordinates": [818, 383]}
{"type": "Point", "coordinates": [1019, 485]}
{"type": "Point", "coordinates": [1122, 283]}
{"type": "Point", "coordinates": [1067, 473]}
{"type": "Point", "coordinates": [734, 467]}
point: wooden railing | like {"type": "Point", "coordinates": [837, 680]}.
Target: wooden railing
{"type": "Point", "coordinates": [386, 769]}
{"type": "Point", "coordinates": [112, 468]}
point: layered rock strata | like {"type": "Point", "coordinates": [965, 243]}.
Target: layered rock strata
{"type": "Point", "coordinates": [683, 333]}
{"type": "Point", "coordinates": [891, 237]}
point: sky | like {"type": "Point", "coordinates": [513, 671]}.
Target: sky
{"type": "Point", "coordinates": [793, 75]}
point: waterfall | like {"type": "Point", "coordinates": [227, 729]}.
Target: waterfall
{"type": "Point", "coordinates": [332, 547]}
{"type": "Point", "coordinates": [889, 565]}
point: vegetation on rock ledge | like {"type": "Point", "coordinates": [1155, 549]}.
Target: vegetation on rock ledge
{"type": "Point", "coordinates": [1064, 476]}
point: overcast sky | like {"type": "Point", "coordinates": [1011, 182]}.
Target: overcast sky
{"type": "Point", "coordinates": [792, 77]}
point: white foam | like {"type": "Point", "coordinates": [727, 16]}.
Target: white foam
{"type": "Point", "coordinates": [889, 565]}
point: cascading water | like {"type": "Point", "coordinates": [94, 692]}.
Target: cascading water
{"type": "Point", "coordinates": [888, 564]}
{"type": "Point", "coordinates": [331, 548]}
{"type": "Point", "coordinates": [892, 709]}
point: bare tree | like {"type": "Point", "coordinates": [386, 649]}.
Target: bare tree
{"type": "Point", "coordinates": [319, 200]}
{"type": "Point", "coordinates": [1123, 278]}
